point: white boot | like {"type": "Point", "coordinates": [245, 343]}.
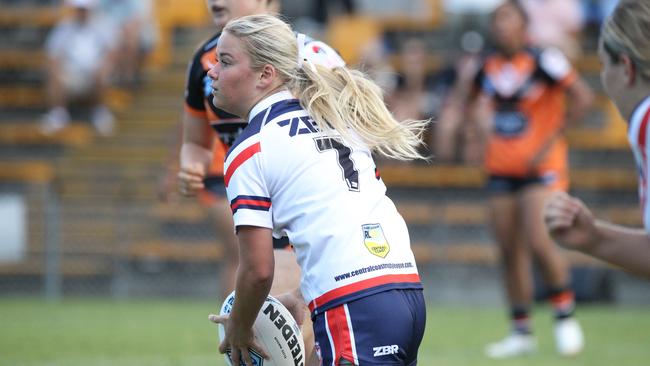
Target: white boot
{"type": "Point", "coordinates": [512, 346]}
{"type": "Point", "coordinates": [569, 339]}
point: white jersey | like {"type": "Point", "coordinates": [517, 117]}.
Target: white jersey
{"type": "Point", "coordinates": [326, 196]}
{"type": "Point", "coordinates": [639, 141]}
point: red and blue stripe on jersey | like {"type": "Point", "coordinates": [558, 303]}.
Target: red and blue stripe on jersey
{"type": "Point", "coordinates": [347, 293]}
{"type": "Point", "coordinates": [251, 203]}
{"type": "Point", "coordinates": [253, 129]}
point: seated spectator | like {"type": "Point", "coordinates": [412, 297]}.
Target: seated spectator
{"type": "Point", "coordinates": [373, 61]}
{"type": "Point", "coordinates": [413, 97]}
{"type": "Point", "coordinates": [136, 35]}
{"type": "Point", "coordinates": [80, 54]}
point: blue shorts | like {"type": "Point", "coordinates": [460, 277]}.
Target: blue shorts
{"type": "Point", "coordinates": [385, 328]}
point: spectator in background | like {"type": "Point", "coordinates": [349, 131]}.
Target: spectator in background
{"type": "Point", "coordinates": [323, 9]}
{"type": "Point", "coordinates": [457, 137]}
{"type": "Point", "coordinates": [413, 97]}
{"type": "Point", "coordinates": [80, 53]}
{"type": "Point", "coordinates": [133, 20]}
{"type": "Point", "coordinates": [374, 62]}
{"type": "Point", "coordinates": [624, 52]}
{"type": "Point", "coordinates": [556, 23]}
{"type": "Point", "coordinates": [520, 104]}
{"type": "Point", "coordinates": [465, 15]}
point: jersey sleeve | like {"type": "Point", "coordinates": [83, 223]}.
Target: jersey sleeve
{"type": "Point", "coordinates": [556, 67]}
{"type": "Point", "coordinates": [194, 87]}
{"type": "Point", "coordinates": [248, 194]}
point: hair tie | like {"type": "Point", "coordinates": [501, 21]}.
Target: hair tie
{"type": "Point", "coordinates": [302, 52]}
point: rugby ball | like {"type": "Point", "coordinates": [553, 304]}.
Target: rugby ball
{"type": "Point", "coordinates": [275, 330]}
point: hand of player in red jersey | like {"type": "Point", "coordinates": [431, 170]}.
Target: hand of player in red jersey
{"type": "Point", "coordinates": [569, 221]}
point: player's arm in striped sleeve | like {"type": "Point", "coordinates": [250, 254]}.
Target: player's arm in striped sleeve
{"type": "Point", "coordinates": [251, 206]}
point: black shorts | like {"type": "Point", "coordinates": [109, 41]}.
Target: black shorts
{"type": "Point", "coordinates": [215, 185]}
{"type": "Point", "coordinates": [502, 184]}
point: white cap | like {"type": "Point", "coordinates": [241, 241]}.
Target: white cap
{"type": "Point", "coordinates": [87, 4]}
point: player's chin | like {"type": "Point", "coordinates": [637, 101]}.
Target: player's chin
{"type": "Point", "coordinates": [217, 100]}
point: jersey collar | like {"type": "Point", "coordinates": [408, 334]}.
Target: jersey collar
{"type": "Point", "coordinates": [269, 101]}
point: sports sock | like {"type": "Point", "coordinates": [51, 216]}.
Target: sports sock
{"type": "Point", "coordinates": [520, 316]}
{"type": "Point", "coordinates": [563, 302]}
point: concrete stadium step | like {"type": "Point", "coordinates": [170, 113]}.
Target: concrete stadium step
{"type": "Point", "coordinates": [135, 152]}
{"type": "Point", "coordinates": [69, 267]}
{"type": "Point", "coordinates": [415, 213]}
{"type": "Point", "coordinates": [39, 172]}
{"type": "Point", "coordinates": [35, 96]}
{"type": "Point", "coordinates": [76, 134]}
{"type": "Point", "coordinates": [30, 16]}
{"type": "Point", "coordinates": [22, 59]}
{"type": "Point", "coordinates": [456, 176]}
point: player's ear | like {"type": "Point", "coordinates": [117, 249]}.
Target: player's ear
{"type": "Point", "coordinates": [629, 69]}
{"type": "Point", "coordinates": [268, 75]}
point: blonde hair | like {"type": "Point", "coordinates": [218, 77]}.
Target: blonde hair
{"type": "Point", "coordinates": [627, 31]}
{"type": "Point", "coordinates": [337, 99]}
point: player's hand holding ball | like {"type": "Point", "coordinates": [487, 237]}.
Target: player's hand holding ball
{"type": "Point", "coordinates": [237, 341]}
{"type": "Point", "coordinates": [273, 340]}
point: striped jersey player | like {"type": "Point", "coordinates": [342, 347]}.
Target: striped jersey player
{"type": "Point", "coordinates": [303, 168]}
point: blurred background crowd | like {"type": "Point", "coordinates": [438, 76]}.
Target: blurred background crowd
{"type": "Point", "coordinates": [91, 93]}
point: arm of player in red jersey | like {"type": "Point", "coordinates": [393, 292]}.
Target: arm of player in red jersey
{"type": "Point", "coordinates": [254, 279]}
{"type": "Point", "coordinates": [572, 225]}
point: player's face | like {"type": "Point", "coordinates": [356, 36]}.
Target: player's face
{"type": "Point", "coordinates": [509, 28]}
{"type": "Point", "coordinates": [225, 10]}
{"type": "Point", "coordinates": [612, 74]}
{"type": "Point", "coordinates": [233, 80]}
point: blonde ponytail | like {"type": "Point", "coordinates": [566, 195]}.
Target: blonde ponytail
{"type": "Point", "coordinates": [346, 100]}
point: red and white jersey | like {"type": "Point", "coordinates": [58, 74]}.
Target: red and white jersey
{"type": "Point", "coordinates": [639, 141]}
{"type": "Point", "coordinates": [326, 195]}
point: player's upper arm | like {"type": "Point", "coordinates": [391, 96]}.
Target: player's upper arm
{"type": "Point", "coordinates": [248, 193]}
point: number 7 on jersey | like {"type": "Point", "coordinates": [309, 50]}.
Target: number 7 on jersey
{"type": "Point", "coordinates": [350, 174]}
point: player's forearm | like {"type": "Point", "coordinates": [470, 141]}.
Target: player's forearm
{"type": "Point", "coordinates": [254, 274]}
{"type": "Point", "coordinates": [192, 153]}
{"type": "Point", "coordinates": [621, 246]}
{"type": "Point", "coordinates": [252, 288]}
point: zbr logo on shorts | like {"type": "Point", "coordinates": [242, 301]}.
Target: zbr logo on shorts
{"type": "Point", "coordinates": [373, 238]}
{"type": "Point", "coordinates": [385, 350]}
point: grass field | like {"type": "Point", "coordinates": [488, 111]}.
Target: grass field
{"type": "Point", "coordinates": [166, 333]}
